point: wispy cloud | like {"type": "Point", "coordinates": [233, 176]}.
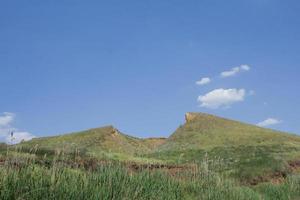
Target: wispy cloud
{"type": "Point", "coordinates": [222, 98]}
{"type": "Point", "coordinates": [269, 122]}
{"type": "Point", "coordinates": [6, 127]}
{"type": "Point", "coordinates": [6, 119]}
{"type": "Point", "coordinates": [19, 136]}
{"type": "Point", "coordinates": [204, 81]}
{"type": "Point", "coordinates": [235, 71]}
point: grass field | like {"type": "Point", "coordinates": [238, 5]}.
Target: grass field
{"type": "Point", "coordinates": [22, 178]}
{"type": "Point", "coordinates": [207, 157]}
{"type": "Point", "coordinates": [251, 153]}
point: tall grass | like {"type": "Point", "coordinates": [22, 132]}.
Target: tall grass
{"type": "Point", "coordinates": [107, 182]}
{"type": "Point", "coordinates": [22, 178]}
{"type": "Point", "coordinates": [289, 189]}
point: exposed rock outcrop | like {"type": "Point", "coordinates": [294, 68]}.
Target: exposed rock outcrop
{"type": "Point", "coordinates": [189, 117]}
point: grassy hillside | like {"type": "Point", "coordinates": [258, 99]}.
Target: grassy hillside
{"type": "Point", "coordinates": [22, 178]}
{"type": "Point", "coordinates": [248, 151]}
{"type": "Point", "coordinates": [208, 131]}
{"type": "Point", "coordinates": [105, 142]}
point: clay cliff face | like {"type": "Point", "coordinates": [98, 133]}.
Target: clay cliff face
{"type": "Point", "coordinates": [189, 117]}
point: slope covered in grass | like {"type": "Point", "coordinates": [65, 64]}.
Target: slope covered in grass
{"type": "Point", "coordinates": [203, 131]}
{"type": "Point", "coordinates": [248, 151]}
{"type": "Point", "coordinates": [102, 142]}
{"type": "Point", "coordinates": [22, 178]}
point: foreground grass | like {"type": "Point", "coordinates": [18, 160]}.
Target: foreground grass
{"type": "Point", "coordinates": [109, 182]}
{"type": "Point", "coordinates": [289, 189]}
{"type": "Point", "coordinates": [243, 163]}
{"type": "Point", "coordinates": [22, 178]}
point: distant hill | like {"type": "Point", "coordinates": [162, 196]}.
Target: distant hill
{"type": "Point", "coordinates": [204, 131]}
{"type": "Point", "coordinates": [105, 142]}
{"type": "Point", "coordinates": [245, 150]}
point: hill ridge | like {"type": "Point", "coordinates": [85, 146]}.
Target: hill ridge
{"type": "Point", "coordinates": [248, 150]}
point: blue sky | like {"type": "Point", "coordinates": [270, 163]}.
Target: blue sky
{"type": "Point", "coordinates": [72, 65]}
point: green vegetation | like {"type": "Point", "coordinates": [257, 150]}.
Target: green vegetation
{"type": "Point", "coordinates": [62, 182]}
{"type": "Point", "coordinates": [250, 152]}
{"type": "Point", "coordinates": [101, 143]}
{"type": "Point", "coordinates": [206, 158]}
{"type": "Point", "coordinates": [22, 178]}
{"type": "Point", "coordinates": [203, 131]}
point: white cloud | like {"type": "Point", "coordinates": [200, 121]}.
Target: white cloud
{"type": "Point", "coordinates": [204, 81]}
{"type": "Point", "coordinates": [269, 122]}
{"type": "Point", "coordinates": [235, 71]}
{"type": "Point", "coordinates": [6, 121]}
{"type": "Point", "coordinates": [245, 67]}
{"type": "Point", "coordinates": [232, 72]}
{"type": "Point", "coordinates": [18, 137]}
{"type": "Point", "coordinates": [222, 98]}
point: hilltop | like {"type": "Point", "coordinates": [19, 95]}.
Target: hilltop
{"type": "Point", "coordinates": [104, 142]}
{"type": "Point", "coordinates": [207, 131]}
{"type": "Point", "coordinates": [246, 150]}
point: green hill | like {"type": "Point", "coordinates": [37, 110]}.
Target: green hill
{"type": "Point", "coordinates": [105, 142]}
{"type": "Point", "coordinates": [248, 151]}
{"type": "Point", "coordinates": [245, 151]}
{"type": "Point", "coordinates": [204, 131]}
